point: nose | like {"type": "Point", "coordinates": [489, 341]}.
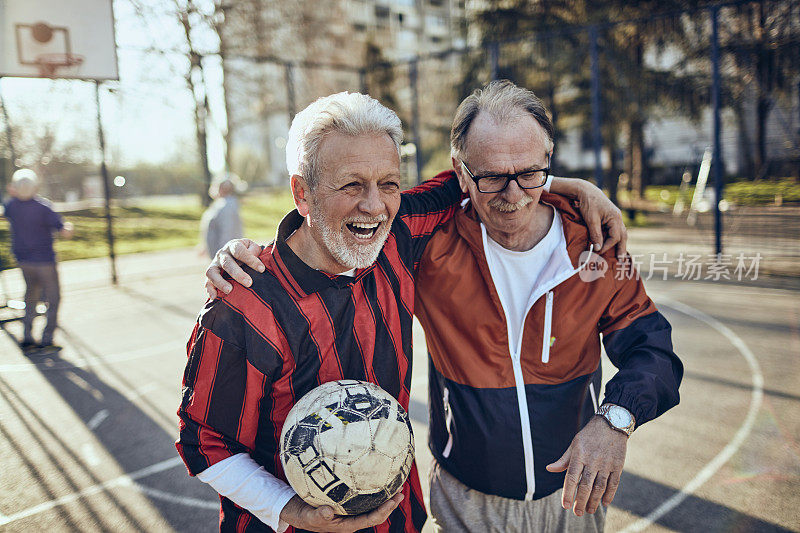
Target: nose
{"type": "Point", "coordinates": [513, 193]}
{"type": "Point", "coordinates": [371, 202]}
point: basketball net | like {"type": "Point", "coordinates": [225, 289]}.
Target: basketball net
{"type": "Point", "coordinates": [50, 64]}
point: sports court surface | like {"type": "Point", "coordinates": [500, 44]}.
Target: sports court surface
{"type": "Point", "coordinates": [86, 434]}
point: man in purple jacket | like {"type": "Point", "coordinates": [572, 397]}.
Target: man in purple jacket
{"type": "Point", "coordinates": [33, 223]}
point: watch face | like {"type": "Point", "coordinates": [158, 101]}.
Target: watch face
{"type": "Point", "coordinates": [619, 417]}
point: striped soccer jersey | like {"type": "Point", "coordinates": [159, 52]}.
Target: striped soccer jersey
{"type": "Point", "coordinates": [256, 351]}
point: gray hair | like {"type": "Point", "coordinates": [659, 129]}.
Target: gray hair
{"type": "Point", "coordinates": [24, 182]}
{"type": "Point", "coordinates": [504, 101]}
{"type": "Point", "coordinates": [349, 113]}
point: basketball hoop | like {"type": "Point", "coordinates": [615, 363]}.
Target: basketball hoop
{"type": "Point", "coordinates": [49, 64]}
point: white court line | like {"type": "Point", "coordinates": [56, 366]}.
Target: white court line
{"type": "Point", "coordinates": [125, 480]}
{"type": "Point", "coordinates": [113, 358]}
{"type": "Point", "coordinates": [174, 498]}
{"type": "Point", "coordinates": [744, 430]}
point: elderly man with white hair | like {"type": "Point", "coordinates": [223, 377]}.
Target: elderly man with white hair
{"type": "Point", "coordinates": [33, 223]}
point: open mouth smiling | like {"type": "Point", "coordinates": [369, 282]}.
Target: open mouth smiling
{"type": "Point", "coordinates": [363, 230]}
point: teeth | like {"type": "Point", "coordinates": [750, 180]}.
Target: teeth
{"type": "Point", "coordinates": [365, 225]}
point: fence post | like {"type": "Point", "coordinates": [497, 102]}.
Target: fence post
{"type": "Point", "coordinates": [596, 135]}
{"type": "Point", "coordinates": [290, 98]}
{"type": "Point", "coordinates": [362, 80]}
{"type": "Point", "coordinates": [10, 139]}
{"type": "Point", "coordinates": [494, 60]}
{"type": "Point", "coordinates": [715, 104]}
{"type": "Point", "coordinates": [106, 186]}
{"type": "Point", "coordinates": [412, 78]}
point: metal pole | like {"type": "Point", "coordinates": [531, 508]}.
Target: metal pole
{"type": "Point", "coordinates": [106, 186]}
{"type": "Point", "coordinates": [362, 80]}
{"type": "Point", "coordinates": [3, 177]}
{"type": "Point", "coordinates": [494, 60]}
{"type": "Point", "coordinates": [596, 135]}
{"type": "Point", "coordinates": [8, 128]}
{"type": "Point", "coordinates": [290, 98]}
{"type": "Point", "coordinates": [715, 104]}
{"type": "Point", "coordinates": [412, 78]}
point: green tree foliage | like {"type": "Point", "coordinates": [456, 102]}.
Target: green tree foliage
{"type": "Point", "coordinates": [760, 57]}
{"type": "Point", "coordinates": [554, 61]}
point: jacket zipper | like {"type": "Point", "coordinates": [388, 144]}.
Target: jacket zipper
{"type": "Point", "coordinates": [519, 381]}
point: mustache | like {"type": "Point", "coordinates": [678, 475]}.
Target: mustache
{"type": "Point", "coordinates": [508, 207]}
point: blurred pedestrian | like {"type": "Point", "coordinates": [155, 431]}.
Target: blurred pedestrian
{"type": "Point", "coordinates": [33, 223]}
{"type": "Point", "coordinates": [221, 222]}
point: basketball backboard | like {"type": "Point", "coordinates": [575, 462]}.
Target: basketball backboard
{"type": "Point", "coordinates": [58, 39]}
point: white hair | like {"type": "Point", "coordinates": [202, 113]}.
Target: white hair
{"type": "Point", "coordinates": [24, 183]}
{"type": "Point", "coordinates": [349, 113]}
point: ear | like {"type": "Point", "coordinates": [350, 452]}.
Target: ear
{"type": "Point", "coordinates": [462, 177]}
{"type": "Point", "coordinates": [300, 192]}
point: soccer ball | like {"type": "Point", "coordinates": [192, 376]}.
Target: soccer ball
{"type": "Point", "coordinates": [347, 444]}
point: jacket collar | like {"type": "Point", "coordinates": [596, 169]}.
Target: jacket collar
{"type": "Point", "coordinates": [297, 276]}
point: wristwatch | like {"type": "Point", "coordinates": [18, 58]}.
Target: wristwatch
{"type": "Point", "coordinates": [618, 418]}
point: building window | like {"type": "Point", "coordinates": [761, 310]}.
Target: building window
{"type": "Point", "coordinates": [382, 14]}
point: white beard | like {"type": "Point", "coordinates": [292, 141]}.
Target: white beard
{"type": "Point", "coordinates": [348, 254]}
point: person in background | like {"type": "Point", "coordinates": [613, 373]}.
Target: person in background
{"type": "Point", "coordinates": [33, 223]}
{"type": "Point", "coordinates": [221, 222]}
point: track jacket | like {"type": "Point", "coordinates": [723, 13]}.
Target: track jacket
{"type": "Point", "coordinates": [500, 413]}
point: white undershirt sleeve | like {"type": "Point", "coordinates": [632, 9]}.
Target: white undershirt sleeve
{"type": "Point", "coordinates": [547, 183]}
{"type": "Point", "coordinates": [247, 484]}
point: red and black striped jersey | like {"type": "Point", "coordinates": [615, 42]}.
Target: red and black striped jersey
{"type": "Point", "coordinates": [256, 351]}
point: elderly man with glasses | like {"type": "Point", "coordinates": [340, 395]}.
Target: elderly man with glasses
{"type": "Point", "coordinates": [514, 298]}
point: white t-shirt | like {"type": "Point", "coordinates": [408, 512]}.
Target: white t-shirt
{"type": "Point", "coordinates": [516, 274]}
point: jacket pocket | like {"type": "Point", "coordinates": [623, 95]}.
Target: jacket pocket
{"type": "Point", "coordinates": [448, 421]}
{"type": "Point", "coordinates": [548, 323]}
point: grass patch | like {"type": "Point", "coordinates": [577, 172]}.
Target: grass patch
{"type": "Point", "coordinates": [152, 226]}
{"type": "Point", "coordinates": [744, 193]}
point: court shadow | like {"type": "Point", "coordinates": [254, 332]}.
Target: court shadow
{"type": "Point", "coordinates": [742, 386]}
{"type": "Point", "coordinates": [129, 428]}
{"type": "Point", "coordinates": [641, 496]}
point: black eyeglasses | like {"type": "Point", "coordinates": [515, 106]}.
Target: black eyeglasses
{"type": "Point", "coordinates": [528, 179]}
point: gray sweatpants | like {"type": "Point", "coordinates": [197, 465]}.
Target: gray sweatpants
{"type": "Point", "coordinates": [457, 508]}
{"type": "Point", "coordinates": [41, 284]}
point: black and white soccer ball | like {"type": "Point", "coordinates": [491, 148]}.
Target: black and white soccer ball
{"type": "Point", "coordinates": [347, 444]}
